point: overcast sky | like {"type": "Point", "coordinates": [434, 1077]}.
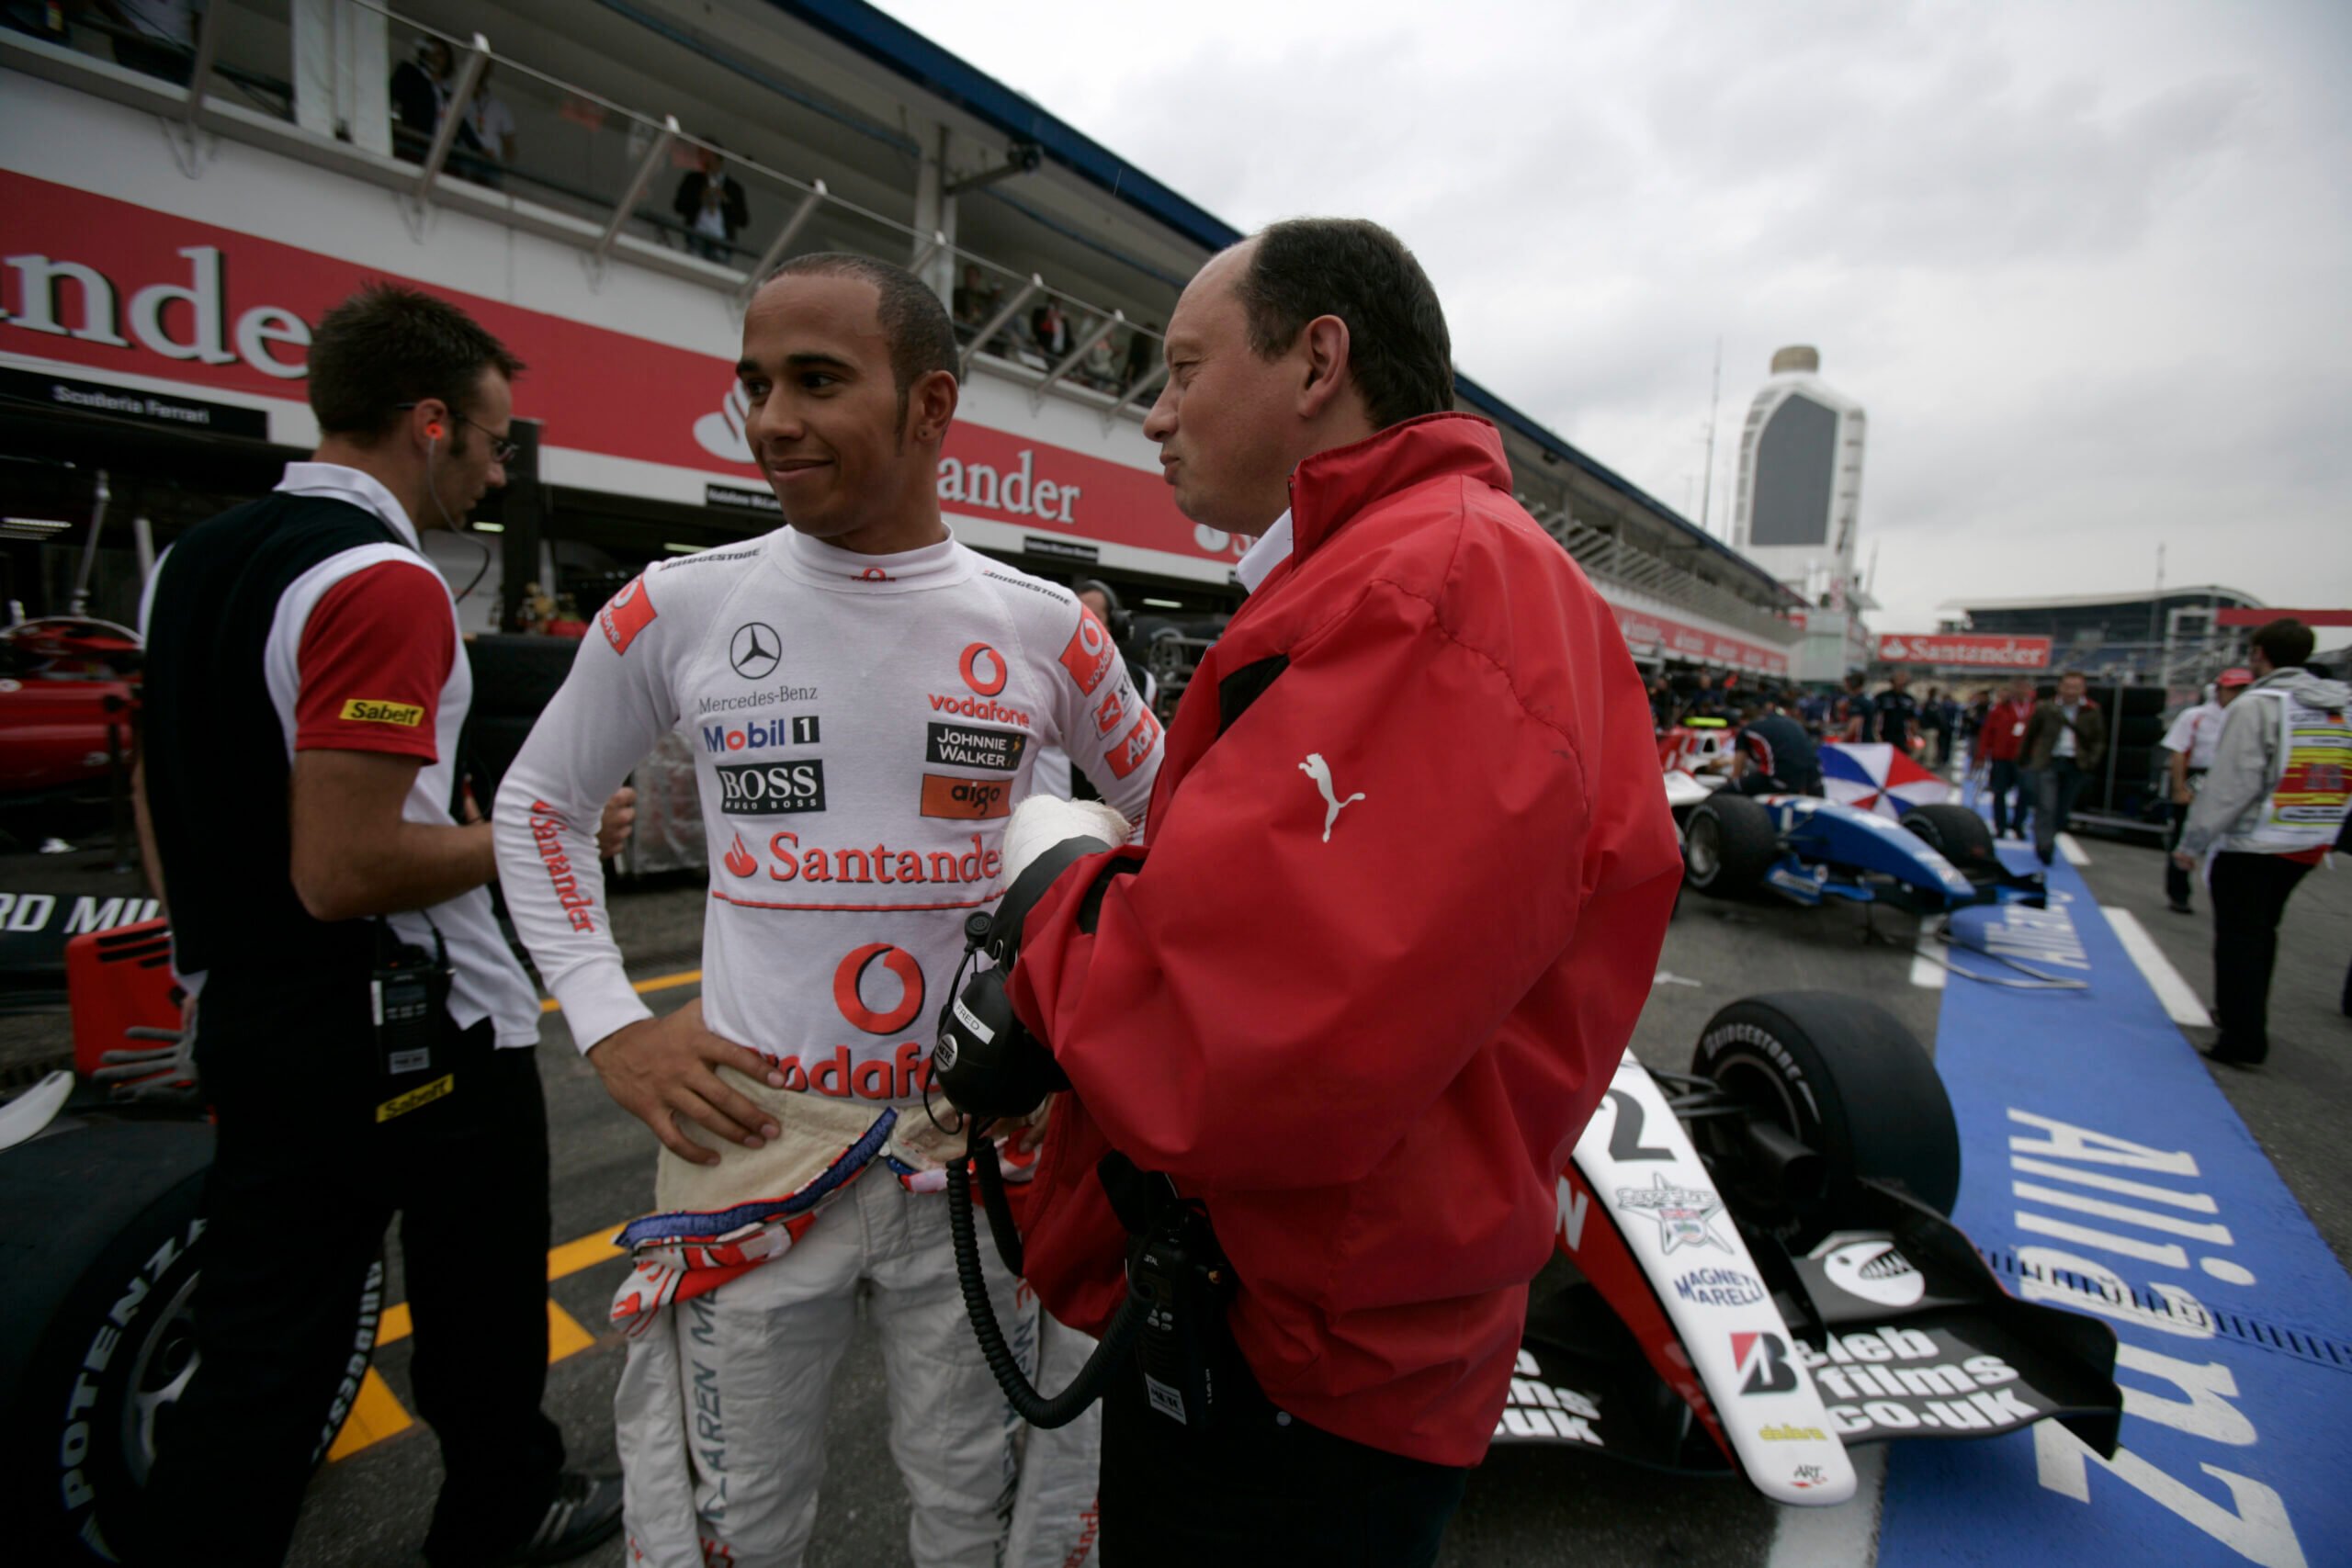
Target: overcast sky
{"type": "Point", "coordinates": [2089, 266]}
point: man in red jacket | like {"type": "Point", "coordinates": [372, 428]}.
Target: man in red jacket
{"type": "Point", "coordinates": [1408, 872]}
{"type": "Point", "coordinates": [1999, 741]}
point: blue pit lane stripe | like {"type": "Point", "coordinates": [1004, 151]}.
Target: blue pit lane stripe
{"type": "Point", "coordinates": [2095, 1144]}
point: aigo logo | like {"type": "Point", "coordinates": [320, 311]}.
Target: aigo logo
{"type": "Point", "coordinates": [851, 974]}
{"type": "Point", "coordinates": [983, 669]}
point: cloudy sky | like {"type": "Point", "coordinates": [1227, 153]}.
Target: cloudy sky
{"type": "Point", "coordinates": [2088, 265]}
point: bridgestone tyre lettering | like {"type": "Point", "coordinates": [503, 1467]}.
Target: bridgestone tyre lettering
{"type": "Point", "coordinates": [1956, 833]}
{"type": "Point", "coordinates": [1728, 845]}
{"type": "Point", "coordinates": [1849, 1081]}
{"type": "Point", "coordinates": [98, 1228]}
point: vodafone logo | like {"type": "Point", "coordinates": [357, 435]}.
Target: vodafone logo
{"type": "Point", "coordinates": [850, 977]}
{"type": "Point", "coordinates": [983, 669]}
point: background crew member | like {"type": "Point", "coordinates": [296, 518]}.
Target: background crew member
{"type": "Point", "coordinates": [1772, 755]}
{"type": "Point", "coordinates": [1894, 713]}
{"type": "Point", "coordinates": [301, 651]}
{"type": "Point", "coordinates": [1330, 1002]}
{"type": "Point", "coordinates": [1999, 741]}
{"type": "Point", "coordinates": [2272, 804]}
{"type": "Point", "coordinates": [1853, 713]}
{"type": "Point", "coordinates": [2192, 740]}
{"type": "Point", "coordinates": [866, 698]}
{"type": "Point", "coordinates": [2065, 740]}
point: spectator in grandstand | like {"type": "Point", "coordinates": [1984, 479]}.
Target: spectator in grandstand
{"type": "Point", "coordinates": [1772, 755]}
{"type": "Point", "coordinates": [2272, 803]}
{"type": "Point", "coordinates": [366, 1035]}
{"type": "Point", "coordinates": [976, 299]}
{"type": "Point", "coordinates": [711, 204]}
{"type": "Point", "coordinates": [1100, 368]}
{"type": "Point", "coordinates": [420, 94]}
{"type": "Point", "coordinates": [1139, 355]}
{"type": "Point", "coordinates": [2000, 741]}
{"type": "Point", "coordinates": [1365, 1095]}
{"type": "Point", "coordinates": [155, 38]}
{"type": "Point", "coordinates": [1049, 328]}
{"type": "Point", "coordinates": [2192, 740]}
{"type": "Point", "coordinates": [1852, 715]}
{"type": "Point", "coordinates": [2063, 742]}
{"type": "Point", "coordinates": [491, 125]}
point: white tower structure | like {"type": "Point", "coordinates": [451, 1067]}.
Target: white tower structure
{"type": "Point", "coordinates": [1800, 491]}
{"type": "Point", "coordinates": [1797, 509]}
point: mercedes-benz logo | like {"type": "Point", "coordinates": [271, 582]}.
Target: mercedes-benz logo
{"type": "Point", "coordinates": [756, 651]}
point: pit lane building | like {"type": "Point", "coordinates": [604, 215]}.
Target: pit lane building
{"type": "Point", "coordinates": [168, 246]}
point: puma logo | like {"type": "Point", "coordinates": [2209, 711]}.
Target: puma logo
{"type": "Point", "coordinates": [1316, 768]}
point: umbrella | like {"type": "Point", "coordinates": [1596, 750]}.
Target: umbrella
{"type": "Point", "coordinates": [1874, 777]}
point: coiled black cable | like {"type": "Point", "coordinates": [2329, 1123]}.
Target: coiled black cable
{"type": "Point", "coordinates": [1109, 1355]}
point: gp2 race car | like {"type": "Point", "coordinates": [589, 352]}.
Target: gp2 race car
{"type": "Point", "coordinates": [1754, 1269]}
{"type": "Point", "coordinates": [1938, 858]}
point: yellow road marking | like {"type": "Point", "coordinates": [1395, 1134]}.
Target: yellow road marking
{"type": "Point", "coordinates": [375, 1415]}
{"type": "Point", "coordinates": [377, 1412]}
{"type": "Point", "coordinates": [657, 983]}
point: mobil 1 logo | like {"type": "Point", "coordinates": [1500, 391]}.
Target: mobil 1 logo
{"type": "Point", "coordinates": [771, 789]}
{"type": "Point", "coordinates": [976, 746]}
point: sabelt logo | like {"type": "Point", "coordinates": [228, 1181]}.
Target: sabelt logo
{"type": "Point", "coordinates": [972, 799]}
{"type": "Point", "coordinates": [1087, 656]}
{"type": "Point", "coordinates": [849, 979]}
{"type": "Point", "coordinates": [373, 710]}
{"type": "Point", "coordinates": [629, 613]}
{"type": "Point", "coordinates": [983, 669]}
{"type": "Point", "coordinates": [771, 789]}
{"type": "Point", "coordinates": [1135, 746]}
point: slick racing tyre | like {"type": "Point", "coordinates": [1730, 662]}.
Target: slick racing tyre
{"type": "Point", "coordinates": [1847, 1081]}
{"type": "Point", "coordinates": [1728, 845]}
{"type": "Point", "coordinates": [99, 1232]}
{"type": "Point", "coordinates": [1956, 833]}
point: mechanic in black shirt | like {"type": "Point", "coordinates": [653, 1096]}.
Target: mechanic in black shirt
{"type": "Point", "coordinates": [1854, 718]}
{"type": "Point", "coordinates": [1895, 712]}
{"type": "Point", "coordinates": [1772, 755]}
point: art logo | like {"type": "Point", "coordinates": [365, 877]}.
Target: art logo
{"type": "Point", "coordinates": [771, 789]}
{"type": "Point", "coordinates": [1685, 1215]}
{"type": "Point", "coordinates": [983, 669]}
{"type": "Point", "coordinates": [848, 986]}
{"type": "Point", "coordinates": [1763, 1360]}
{"type": "Point", "coordinates": [629, 613]}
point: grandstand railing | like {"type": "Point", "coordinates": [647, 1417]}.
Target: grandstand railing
{"type": "Point", "coordinates": [594, 173]}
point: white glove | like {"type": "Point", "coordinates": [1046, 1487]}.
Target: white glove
{"type": "Point", "coordinates": [1042, 821]}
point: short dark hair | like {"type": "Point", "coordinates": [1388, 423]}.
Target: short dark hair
{"type": "Point", "coordinates": [2286, 642]}
{"type": "Point", "coordinates": [1854, 679]}
{"type": "Point", "coordinates": [390, 344]}
{"type": "Point", "coordinates": [921, 338]}
{"type": "Point", "coordinates": [1399, 350]}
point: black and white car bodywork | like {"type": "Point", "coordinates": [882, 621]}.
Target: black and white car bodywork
{"type": "Point", "coordinates": [1775, 1281]}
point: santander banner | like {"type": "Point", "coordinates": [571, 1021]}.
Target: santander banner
{"type": "Point", "coordinates": [92, 281]}
{"type": "Point", "coordinates": [1967, 649]}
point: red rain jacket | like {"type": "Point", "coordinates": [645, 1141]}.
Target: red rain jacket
{"type": "Point", "coordinates": [1367, 1039]}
